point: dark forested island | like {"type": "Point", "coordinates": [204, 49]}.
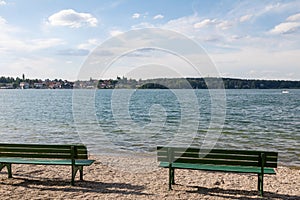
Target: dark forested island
{"type": "Point", "coordinates": [159, 83]}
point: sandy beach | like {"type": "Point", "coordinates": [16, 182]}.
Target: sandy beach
{"type": "Point", "coordinates": [120, 178]}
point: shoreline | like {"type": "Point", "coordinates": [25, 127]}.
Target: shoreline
{"type": "Point", "coordinates": [106, 179]}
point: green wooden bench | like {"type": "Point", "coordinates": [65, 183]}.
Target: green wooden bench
{"type": "Point", "coordinates": [75, 156]}
{"type": "Point", "coordinates": [237, 161]}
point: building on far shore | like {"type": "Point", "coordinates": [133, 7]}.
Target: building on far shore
{"type": "Point", "coordinates": [24, 85]}
{"type": "Point", "coordinates": [7, 86]}
{"type": "Point", "coordinates": [39, 85]}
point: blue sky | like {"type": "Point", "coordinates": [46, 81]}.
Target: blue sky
{"type": "Point", "coordinates": [244, 39]}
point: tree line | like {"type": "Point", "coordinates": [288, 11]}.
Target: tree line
{"type": "Point", "coordinates": [217, 83]}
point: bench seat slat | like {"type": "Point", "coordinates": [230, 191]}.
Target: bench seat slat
{"type": "Point", "coordinates": [56, 146]}
{"type": "Point", "coordinates": [217, 161]}
{"type": "Point", "coordinates": [54, 156]}
{"type": "Point", "coordinates": [41, 154]}
{"type": "Point", "coordinates": [33, 155]}
{"type": "Point", "coordinates": [223, 168]}
{"type": "Point", "coordinates": [46, 148]}
{"type": "Point", "coordinates": [212, 161]}
{"type": "Point", "coordinates": [217, 151]}
{"type": "Point", "coordinates": [45, 161]}
{"type": "Point", "coordinates": [38, 150]}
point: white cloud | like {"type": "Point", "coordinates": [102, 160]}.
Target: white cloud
{"type": "Point", "coordinates": [2, 21]}
{"type": "Point", "coordinates": [245, 18]}
{"type": "Point", "coordinates": [73, 52]}
{"type": "Point", "coordinates": [232, 55]}
{"type": "Point", "coordinates": [37, 44]}
{"type": "Point", "coordinates": [286, 27]}
{"type": "Point", "coordinates": [15, 45]}
{"type": "Point", "coordinates": [295, 17]}
{"type": "Point", "coordinates": [278, 8]}
{"type": "Point", "coordinates": [136, 16]}
{"type": "Point", "coordinates": [159, 16]}
{"type": "Point", "coordinates": [184, 25]}
{"type": "Point", "coordinates": [12, 42]}
{"type": "Point", "coordinates": [292, 24]}
{"type": "Point", "coordinates": [90, 44]}
{"type": "Point", "coordinates": [203, 30]}
{"type": "Point", "coordinates": [215, 23]}
{"type": "Point", "coordinates": [115, 32]}
{"type": "Point", "coordinates": [142, 25]}
{"type": "Point", "coordinates": [272, 7]}
{"type": "Point", "coordinates": [204, 23]}
{"type": "Point", "coordinates": [72, 19]}
{"type": "Point", "coordinates": [224, 25]}
{"type": "Point", "coordinates": [2, 3]}
{"type": "Point", "coordinates": [34, 66]}
{"type": "Point", "coordinates": [256, 62]}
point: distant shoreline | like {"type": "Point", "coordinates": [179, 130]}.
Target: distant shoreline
{"type": "Point", "coordinates": [159, 83]}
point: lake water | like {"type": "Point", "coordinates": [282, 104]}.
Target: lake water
{"type": "Point", "coordinates": [136, 121]}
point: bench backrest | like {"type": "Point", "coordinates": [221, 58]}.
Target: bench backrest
{"type": "Point", "coordinates": [217, 156]}
{"type": "Point", "coordinates": [44, 151]}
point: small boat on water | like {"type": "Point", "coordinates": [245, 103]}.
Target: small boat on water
{"type": "Point", "coordinates": [285, 92]}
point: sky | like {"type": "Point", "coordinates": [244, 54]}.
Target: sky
{"type": "Point", "coordinates": [243, 39]}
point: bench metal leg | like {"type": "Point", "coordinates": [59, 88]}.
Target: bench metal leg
{"type": "Point", "coordinates": [8, 166]}
{"type": "Point", "coordinates": [260, 185]}
{"type": "Point", "coordinates": [9, 170]}
{"type": "Point", "coordinates": [81, 172]}
{"type": "Point", "coordinates": [75, 169]}
{"type": "Point", "coordinates": [258, 182]}
{"type": "Point", "coordinates": [1, 166]}
{"type": "Point", "coordinates": [73, 175]}
{"type": "Point", "coordinates": [171, 177]}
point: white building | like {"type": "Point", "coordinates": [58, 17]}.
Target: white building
{"type": "Point", "coordinates": [24, 85]}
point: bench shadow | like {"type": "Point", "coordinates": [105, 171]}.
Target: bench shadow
{"type": "Point", "coordinates": [80, 186]}
{"type": "Point", "coordinates": [239, 194]}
